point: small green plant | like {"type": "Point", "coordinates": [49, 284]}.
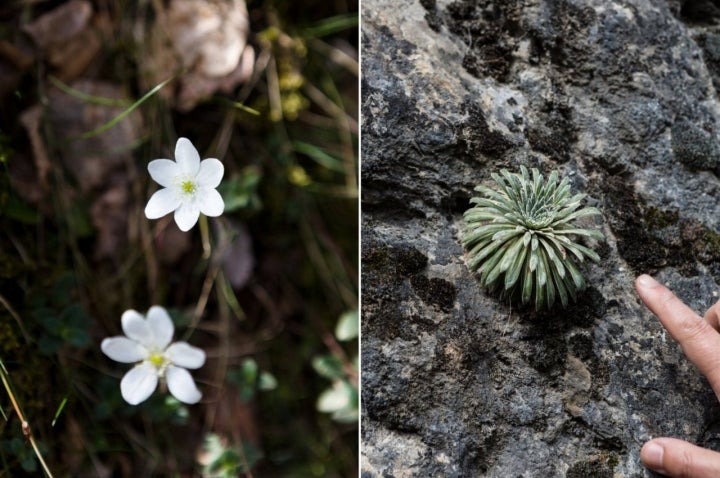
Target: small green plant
{"type": "Point", "coordinates": [219, 459]}
{"type": "Point", "coordinates": [341, 398]}
{"type": "Point", "coordinates": [519, 238]}
{"type": "Point", "coordinates": [249, 379]}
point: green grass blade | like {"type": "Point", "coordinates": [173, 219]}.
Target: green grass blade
{"type": "Point", "coordinates": [244, 108]}
{"type": "Point", "coordinates": [59, 411]}
{"type": "Point", "coordinates": [82, 96]}
{"type": "Point", "coordinates": [319, 156]}
{"type": "Point", "coordinates": [130, 109]}
{"type": "Point", "coordinates": [332, 25]}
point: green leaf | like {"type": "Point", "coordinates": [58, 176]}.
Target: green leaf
{"type": "Point", "coordinates": [549, 287]}
{"type": "Point", "coordinates": [49, 344]}
{"type": "Point", "coordinates": [240, 192]}
{"type": "Point", "coordinates": [341, 400]}
{"type": "Point", "coordinates": [331, 25]}
{"type": "Point", "coordinates": [319, 156]}
{"type": "Point", "coordinates": [328, 366]}
{"type": "Point", "coordinates": [592, 233]}
{"type": "Point", "coordinates": [77, 337]}
{"type": "Point", "coordinates": [575, 275]}
{"type": "Point", "coordinates": [19, 211]}
{"type": "Point", "coordinates": [527, 285]}
{"type": "Point", "coordinates": [267, 381]}
{"type": "Point", "coordinates": [491, 268]}
{"type": "Point", "coordinates": [513, 272]}
{"type": "Point", "coordinates": [488, 230]}
{"type": "Point", "coordinates": [481, 251]}
{"type": "Point", "coordinates": [348, 326]}
{"type": "Point", "coordinates": [588, 211]}
{"type": "Point", "coordinates": [507, 234]}
{"type": "Point", "coordinates": [473, 215]}
{"type": "Point", "coordinates": [334, 398]}
{"type": "Point", "coordinates": [560, 286]}
{"type": "Point", "coordinates": [245, 378]}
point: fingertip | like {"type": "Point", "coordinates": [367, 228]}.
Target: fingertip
{"type": "Point", "coordinates": [674, 457]}
{"type": "Point", "coordinates": [652, 454]}
{"type": "Point", "coordinates": [712, 316]}
{"type": "Point", "coordinates": [645, 281]}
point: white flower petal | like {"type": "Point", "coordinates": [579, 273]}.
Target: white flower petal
{"type": "Point", "coordinates": [186, 216]}
{"type": "Point", "coordinates": [136, 328]}
{"type": "Point", "coordinates": [161, 325]}
{"type": "Point", "coordinates": [124, 350]}
{"type": "Point", "coordinates": [187, 157]}
{"type": "Point", "coordinates": [211, 173]}
{"type": "Point", "coordinates": [185, 355]}
{"type": "Point", "coordinates": [181, 385]}
{"type": "Point", "coordinates": [164, 171]}
{"type": "Point", "coordinates": [163, 202]}
{"type": "Point", "coordinates": [211, 203]}
{"type": "Point", "coordinates": [139, 383]}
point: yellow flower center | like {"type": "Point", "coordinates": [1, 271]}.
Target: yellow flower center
{"type": "Point", "coordinates": [158, 360]}
{"type": "Point", "coordinates": [188, 187]}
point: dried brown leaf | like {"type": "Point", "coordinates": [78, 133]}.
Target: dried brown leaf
{"type": "Point", "coordinates": [72, 57]}
{"type": "Point", "coordinates": [30, 119]}
{"type": "Point", "coordinates": [235, 252]}
{"type": "Point", "coordinates": [109, 215]}
{"type": "Point", "coordinates": [60, 24]}
{"type": "Point", "coordinates": [209, 40]}
{"type": "Point", "coordinates": [92, 161]}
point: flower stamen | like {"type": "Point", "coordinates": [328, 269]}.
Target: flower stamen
{"type": "Point", "coordinates": [188, 187]}
{"type": "Point", "coordinates": [158, 360]}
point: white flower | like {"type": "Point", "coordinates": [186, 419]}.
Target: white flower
{"type": "Point", "coordinates": [148, 344]}
{"type": "Point", "coordinates": [189, 186]}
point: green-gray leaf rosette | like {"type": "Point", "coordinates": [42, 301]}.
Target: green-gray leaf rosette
{"type": "Point", "coordinates": [520, 238]}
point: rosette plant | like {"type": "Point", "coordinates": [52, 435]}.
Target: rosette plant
{"type": "Point", "coordinates": [520, 238]}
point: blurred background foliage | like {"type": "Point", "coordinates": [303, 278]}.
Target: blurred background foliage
{"type": "Point", "coordinates": [91, 91]}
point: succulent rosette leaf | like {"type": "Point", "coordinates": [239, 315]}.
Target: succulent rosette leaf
{"type": "Point", "coordinates": [521, 236]}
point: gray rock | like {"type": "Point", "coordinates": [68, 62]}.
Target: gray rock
{"type": "Point", "coordinates": [694, 146]}
{"type": "Point", "coordinates": [456, 383]}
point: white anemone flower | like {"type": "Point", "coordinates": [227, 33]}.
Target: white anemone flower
{"type": "Point", "coordinates": [188, 186]}
{"type": "Point", "coordinates": [147, 343]}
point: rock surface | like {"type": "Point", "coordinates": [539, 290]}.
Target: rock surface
{"type": "Point", "coordinates": [621, 97]}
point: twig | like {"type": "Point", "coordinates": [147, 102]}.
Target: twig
{"type": "Point", "coordinates": [15, 316]}
{"type": "Point", "coordinates": [25, 425]}
{"type": "Point", "coordinates": [204, 295]}
{"type": "Point", "coordinates": [205, 236]}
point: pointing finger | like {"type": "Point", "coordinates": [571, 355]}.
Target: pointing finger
{"type": "Point", "coordinates": [699, 340]}
{"type": "Point", "coordinates": [680, 459]}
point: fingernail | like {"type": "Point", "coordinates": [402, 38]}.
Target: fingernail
{"type": "Point", "coordinates": [652, 455]}
{"type": "Point", "coordinates": [646, 281]}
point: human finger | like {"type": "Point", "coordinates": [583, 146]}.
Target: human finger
{"type": "Point", "coordinates": [712, 316]}
{"type": "Point", "coordinates": [680, 459]}
{"type": "Point", "coordinates": [699, 341]}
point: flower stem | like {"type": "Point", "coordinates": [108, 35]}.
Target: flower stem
{"type": "Point", "coordinates": [205, 236]}
{"type": "Point", "coordinates": [25, 425]}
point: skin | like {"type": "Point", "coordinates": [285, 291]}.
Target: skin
{"type": "Point", "coordinates": [699, 338]}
